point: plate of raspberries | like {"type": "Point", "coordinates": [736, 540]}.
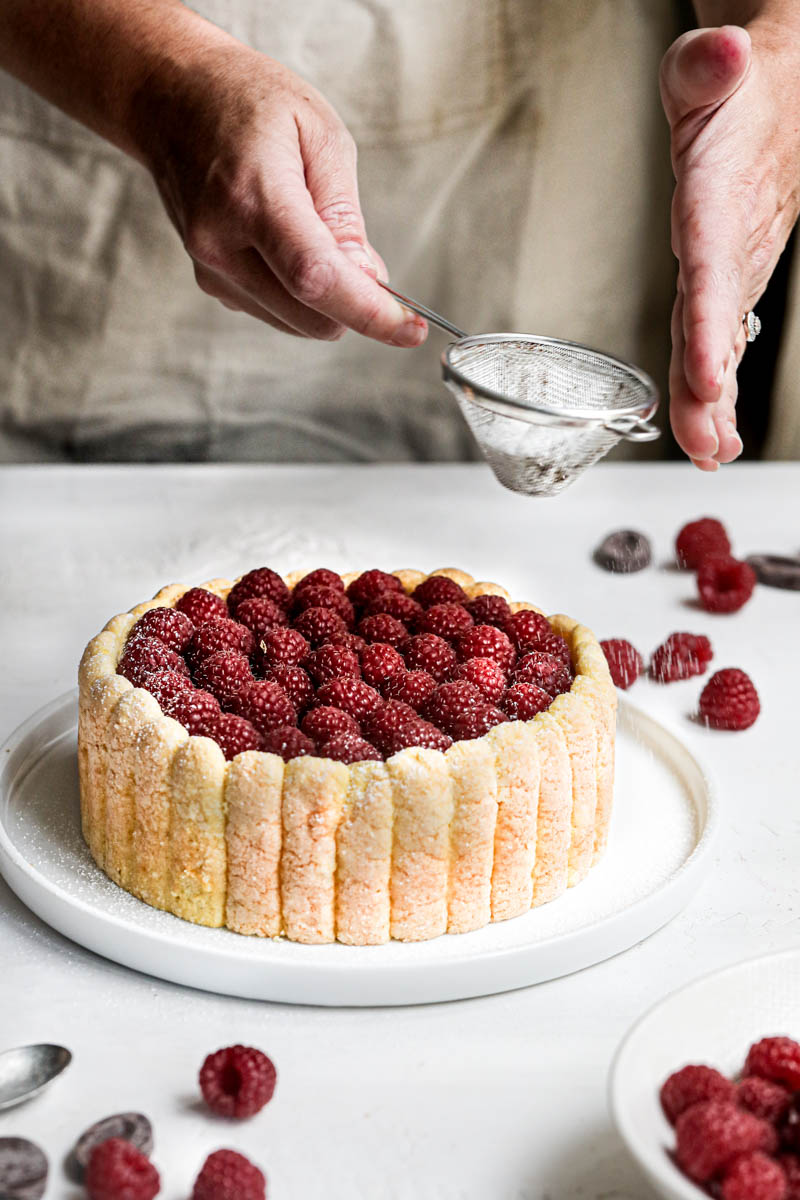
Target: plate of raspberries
{"type": "Point", "coordinates": [705, 1088]}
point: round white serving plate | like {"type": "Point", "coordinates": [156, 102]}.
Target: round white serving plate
{"type": "Point", "coordinates": [664, 822]}
{"type": "Point", "coordinates": [714, 1021]}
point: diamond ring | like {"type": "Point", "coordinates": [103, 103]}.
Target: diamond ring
{"type": "Point", "coordinates": [752, 324]}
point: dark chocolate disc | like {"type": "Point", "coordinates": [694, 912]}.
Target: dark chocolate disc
{"type": "Point", "coordinates": [775, 571]}
{"type": "Point", "coordinates": [624, 552]}
{"type": "Point", "coordinates": [23, 1170]}
{"type": "Point", "coordinates": [131, 1127]}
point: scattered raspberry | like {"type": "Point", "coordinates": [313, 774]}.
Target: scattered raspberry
{"type": "Point", "coordinates": [174, 628]}
{"type": "Point", "coordinates": [427, 652]}
{"type": "Point", "coordinates": [448, 621]}
{"type": "Point", "coordinates": [711, 1134]}
{"type": "Point", "coordinates": [413, 688]}
{"type": "Point", "coordinates": [282, 647]}
{"type": "Point", "coordinates": [118, 1171]}
{"type": "Point", "coordinates": [352, 695]}
{"type": "Point", "coordinates": [326, 722]}
{"type": "Point", "coordinates": [725, 584]}
{"type": "Point", "coordinates": [330, 662]}
{"type": "Point", "coordinates": [219, 634]}
{"type": "Point", "coordinates": [322, 577]}
{"type": "Point", "coordinates": [295, 683]}
{"type": "Point", "coordinates": [317, 625]}
{"type": "Point", "coordinates": [691, 1085]}
{"type": "Point", "coordinates": [398, 605]}
{"type": "Point", "coordinates": [224, 674]}
{"type": "Point", "coordinates": [234, 735]}
{"type": "Point", "coordinates": [475, 722]}
{"type": "Point", "coordinates": [764, 1098]}
{"type": "Point", "coordinates": [438, 589]}
{"type": "Point", "coordinates": [237, 1081]}
{"type": "Point", "coordinates": [146, 655]}
{"type": "Point", "coordinates": [316, 596]}
{"type": "Point", "coordinates": [486, 641]}
{"type": "Point", "coordinates": [754, 1177]}
{"type": "Point", "coordinates": [197, 711]}
{"type": "Point", "coordinates": [349, 748]}
{"type": "Point", "coordinates": [265, 705]}
{"type": "Point", "coordinates": [227, 1175]}
{"type": "Point", "coordinates": [624, 661]}
{"type": "Point", "coordinates": [700, 538]}
{"type": "Point", "coordinates": [487, 675]}
{"type": "Point", "coordinates": [450, 701]}
{"type": "Point", "coordinates": [791, 1167]}
{"type": "Point", "coordinates": [166, 685]}
{"type": "Point", "coordinates": [776, 1058]}
{"type": "Point", "coordinates": [385, 724]}
{"type": "Point", "coordinates": [381, 627]}
{"type": "Point", "coordinates": [525, 628]}
{"type": "Point", "coordinates": [260, 582]}
{"type": "Point", "coordinates": [380, 663]}
{"type": "Point", "coordinates": [681, 656]}
{"type": "Point", "coordinates": [259, 615]}
{"type": "Point", "coordinates": [288, 742]}
{"type": "Point", "coordinates": [730, 701]}
{"type": "Point", "coordinates": [371, 584]}
{"type": "Point", "coordinates": [200, 605]}
{"type": "Point", "coordinates": [489, 610]}
{"type": "Point", "coordinates": [418, 733]}
{"type": "Point", "coordinates": [523, 701]}
{"type": "Point", "coordinates": [547, 672]}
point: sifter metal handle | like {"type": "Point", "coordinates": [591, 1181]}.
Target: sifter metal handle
{"type": "Point", "coordinates": [633, 429]}
{"type": "Point", "coordinates": [422, 310]}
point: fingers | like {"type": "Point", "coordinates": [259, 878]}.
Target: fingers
{"type": "Point", "coordinates": [236, 300]}
{"type": "Point", "coordinates": [701, 69]}
{"type": "Point", "coordinates": [691, 419]}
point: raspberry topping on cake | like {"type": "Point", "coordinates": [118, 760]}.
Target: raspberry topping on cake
{"type": "Point", "coordinates": [166, 685]}
{"type": "Point", "coordinates": [398, 605]}
{"type": "Point", "coordinates": [681, 656]}
{"type": "Point", "coordinates": [417, 732]}
{"type": "Point", "coordinates": [295, 683]}
{"type": "Point", "coordinates": [489, 610]}
{"type": "Point", "coordinates": [380, 663]}
{"type": "Point", "coordinates": [370, 585]}
{"type": "Point", "coordinates": [523, 701]}
{"type": "Point", "coordinates": [439, 589]}
{"type": "Point", "coordinates": [224, 674]}
{"type": "Point", "coordinates": [172, 627]}
{"type": "Point", "coordinates": [116, 1169]}
{"type": "Point", "coordinates": [349, 748]}
{"type": "Point", "coordinates": [413, 688]}
{"type": "Point", "coordinates": [700, 538]}
{"type": "Point", "coordinates": [265, 705]}
{"type": "Point", "coordinates": [319, 625]}
{"type": "Point", "coordinates": [427, 652]}
{"type": "Point", "coordinates": [317, 596]}
{"type": "Point", "coordinates": [263, 581]}
{"type": "Point", "coordinates": [450, 701]}
{"type": "Point", "coordinates": [260, 614]}
{"type": "Point", "coordinates": [283, 647]}
{"type": "Point", "coordinates": [287, 741]}
{"type": "Point", "coordinates": [383, 725]}
{"type": "Point", "coordinates": [725, 584]}
{"type": "Point", "coordinates": [486, 674]}
{"type": "Point", "coordinates": [475, 722]}
{"type": "Point", "coordinates": [322, 577]}
{"type": "Point", "coordinates": [545, 671]}
{"type": "Point", "coordinates": [526, 628]}
{"type": "Point", "coordinates": [487, 641]}
{"type": "Point", "coordinates": [326, 722]}
{"type": "Point", "coordinates": [200, 605]}
{"type": "Point", "coordinates": [624, 661]}
{"type": "Point", "coordinates": [730, 701]}
{"type": "Point", "coordinates": [219, 634]}
{"type": "Point", "coordinates": [146, 655]}
{"type": "Point", "coordinates": [447, 621]}
{"type": "Point", "coordinates": [198, 711]}
{"type": "Point", "coordinates": [234, 735]}
{"type": "Point", "coordinates": [237, 1081]}
{"type": "Point", "coordinates": [691, 1085]}
{"type": "Point", "coordinates": [711, 1134]}
{"type": "Point", "coordinates": [228, 1175]}
{"type": "Point", "coordinates": [330, 662]}
{"type": "Point", "coordinates": [352, 695]}
{"type": "Point", "coordinates": [381, 627]}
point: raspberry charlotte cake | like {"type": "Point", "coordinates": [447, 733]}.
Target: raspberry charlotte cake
{"type": "Point", "coordinates": [351, 758]}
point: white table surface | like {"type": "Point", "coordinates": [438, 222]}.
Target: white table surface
{"type": "Point", "coordinates": [500, 1098]}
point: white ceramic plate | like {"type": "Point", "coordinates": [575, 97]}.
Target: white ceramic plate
{"type": "Point", "coordinates": [713, 1021]}
{"type": "Point", "coordinates": [664, 822]}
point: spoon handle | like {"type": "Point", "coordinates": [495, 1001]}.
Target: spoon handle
{"type": "Point", "coordinates": [422, 310]}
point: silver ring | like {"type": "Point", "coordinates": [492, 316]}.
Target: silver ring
{"type": "Point", "coordinates": [752, 324]}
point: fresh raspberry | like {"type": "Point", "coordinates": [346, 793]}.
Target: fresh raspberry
{"type": "Point", "coordinates": [330, 662]}
{"type": "Point", "coordinates": [395, 604]}
{"type": "Point", "coordinates": [624, 661]}
{"type": "Point", "coordinates": [349, 748]}
{"type": "Point", "coordinates": [711, 1134]}
{"type": "Point", "coordinates": [413, 688]}
{"type": "Point", "coordinates": [200, 605]}
{"type": "Point", "coordinates": [316, 596]}
{"type": "Point", "coordinates": [237, 1081]}
{"type": "Point", "coordinates": [691, 1085]}
{"type": "Point", "coordinates": [118, 1171]}
{"type": "Point", "coordinates": [487, 675]}
{"type": "Point", "coordinates": [417, 733]}
{"type": "Point", "coordinates": [197, 711]}
{"type": "Point", "coordinates": [545, 671]}
{"type": "Point", "coordinates": [260, 582]}
{"type": "Point", "coordinates": [166, 685]}
{"type": "Point", "coordinates": [352, 695]}
{"type": "Point", "coordinates": [487, 641]}
{"type": "Point", "coordinates": [174, 628]}
{"type": "Point", "coordinates": [525, 628]}
{"type": "Point", "coordinates": [489, 610]}
{"type": "Point", "coordinates": [791, 1167]}
{"type": "Point", "coordinates": [326, 722]}
{"type": "Point", "coordinates": [295, 682]}
{"type": "Point", "coordinates": [754, 1177]}
{"type": "Point", "coordinates": [227, 1175]}
{"type": "Point", "coordinates": [523, 701]}
{"type": "Point", "coordinates": [385, 724]}
{"type": "Point", "coordinates": [259, 615]}
{"type": "Point", "coordinates": [380, 627]}
{"type": "Point", "coordinates": [282, 647]}
{"type": "Point", "coordinates": [789, 1130]}
{"type": "Point", "coordinates": [317, 625]}
{"type": "Point", "coordinates": [438, 589]}
{"type": "Point", "coordinates": [220, 634]}
{"type": "Point", "coordinates": [681, 656]}
{"type": "Point", "coordinates": [427, 652]}
{"type": "Point", "coordinates": [234, 735]}
{"type": "Point", "coordinates": [224, 674]}
{"type": "Point", "coordinates": [265, 705]}
{"type": "Point", "coordinates": [371, 584]}
{"type": "Point", "coordinates": [288, 742]}
{"type": "Point", "coordinates": [146, 655]}
{"type": "Point", "coordinates": [555, 644]}
{"type": "Point", "coordinates": [322, 577]}
{"type": "Point", "coordinates": [698, 539]}
{"type": "Point", "coordinates": [730, 701]}
{"type": "Point", "coordinates": [447, 621]}
{"type": "Point", "coordinates": [764, 1098]}
{"type": "Point", "coordinates": [380, 662]}
{"type": "Point", "coordinates": [725, 584]}
{"type": "Point", "coordinates": [450, 701]}
{"type": "Point", "coordinates": [475, 722]}
{"type": "Point", "coordinates": [776, 1058]}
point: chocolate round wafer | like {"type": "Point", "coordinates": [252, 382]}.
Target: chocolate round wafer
{"type": "Point", "coordinates": [624, 552]}
{"type": "Point", "coordinates": [131, 1127]}
{"type": "Point", "coordinates": [23, 1170]}
{"type": "Point", "coordinates": [773, 570]}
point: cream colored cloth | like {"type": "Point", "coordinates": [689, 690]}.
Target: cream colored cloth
{"type": "Point", "coordinates": [514, 172]}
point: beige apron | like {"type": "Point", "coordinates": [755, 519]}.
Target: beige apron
{"type": "Point", "coordinates": [514, 173]}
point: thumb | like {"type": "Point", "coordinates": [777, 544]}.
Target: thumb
{"type": "Point", "coordinates": [702, 69]}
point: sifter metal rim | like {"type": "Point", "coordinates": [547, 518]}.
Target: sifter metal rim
{"type": "Point", "coordinates": [630, 422]}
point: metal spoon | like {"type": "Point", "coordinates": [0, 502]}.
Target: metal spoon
{"type": "Point", "coordinates": [27, 1070]}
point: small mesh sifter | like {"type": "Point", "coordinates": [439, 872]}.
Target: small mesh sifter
{"type": "Point", "coordinates": [542, 410]}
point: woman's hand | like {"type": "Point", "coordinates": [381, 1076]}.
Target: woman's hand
{"type": "Point", "coordinates": [733, 105]}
